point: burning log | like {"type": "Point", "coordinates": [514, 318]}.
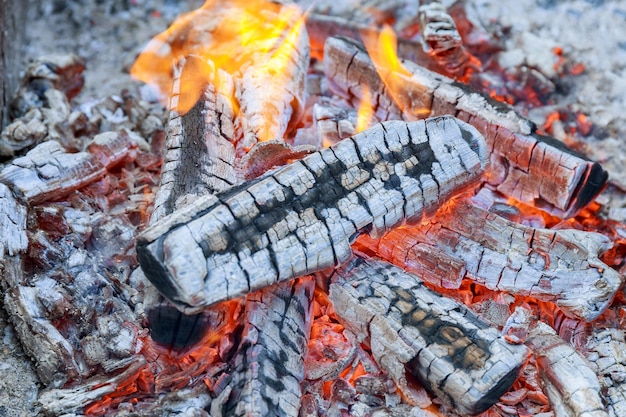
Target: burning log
{"type": "Point", "coordinates": [410, 328]}
{"type": "Point", "coordinates": [561, 266]}
{"type": "Point", "coordinates": [269, 365]}
{"type": "Point", "coordinates": [199, 155]}
{"type": "Point", "coordinates": [300, 219]}
{"type": "Point", "coordinates": [569, 382]}
{"type": "Point", "coordinates": [531, 168]}
{"type": "Point", "coordinates": [442, 40]}
{"type": "Point", "coordinates": [272, 43]}
{"type": "Point", "coordinates": [48, 172]}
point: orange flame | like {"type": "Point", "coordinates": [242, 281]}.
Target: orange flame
{"type": "Point", "coordinates": [231, 34]}
{"type": "Point", "coordinates": [383, 52]}
{"type": "Point", "coordinates": [365, 113]}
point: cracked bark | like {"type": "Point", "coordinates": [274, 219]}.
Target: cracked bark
{"type": "Point", "coordinates": [302, 217]}
{"type": "Point", "coordinates": [412, 329]}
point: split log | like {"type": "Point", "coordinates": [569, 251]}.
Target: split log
{"type": "Point", "coordinates": [529, 167]}
{"type": "Point", "coordinates": [569, 382]}
{"type": "Point", "coordinates": [561, 266]}
{"type": "Point", "coordinates": [442, 40]}
{"type": "Point", "coordinates": [607, 355]}
{"type": "Point", "coordinates": [269, 364]}
{"type": "Point", "coordinates": [48, 172]}
{"type": "Point", "coordinates": [410, 328]}
{"type": "Point", "coordinates": [301, 218]}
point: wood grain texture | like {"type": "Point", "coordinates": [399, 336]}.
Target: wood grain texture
{"type": "Point", "coordinates": [526, 166]}
{"type": "Point", "coordinates": [561, 266]}
{"type": "Point", "coordinates": [199, 154]}
{"type": "Point", "coordinates": [568, 381]}
{"type": "Point", "coordinates": [451, 352]}
{"type": "Point", "coordinates": [302, 217]}
{"type": "Point", "coordinates": [269, 365]}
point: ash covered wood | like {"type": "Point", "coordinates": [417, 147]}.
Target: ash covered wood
{"type": "Point", "coordinates": [561, 266]}
{"type": "Point", "coordinates": [571, 385]}
{"type": "Point", "coordinates": [529, 167]}
{"type": "Point", "coordinates": [269, 364]}
{"type": "Point", "coordinates": [410, 328]}
{"type": "Point", "coordinates": [48, 172]}
{"type": "Point", "coordinates": [301, 218]}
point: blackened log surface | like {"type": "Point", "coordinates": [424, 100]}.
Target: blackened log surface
{"type": "Point", "coordinates": [571, 385]}
{"type": "Point", "coordinates": [269, 365]}
{"type": "Point", "coordinates": [607, 355]}
{"type": "Point", "coordinates": [453, 353]}
{"type": "Point", "coordinates": [199, 153]}
{"type": "Point", "coordinates": [561, 266]}
{"type": "Point", "coordinates": [302, 217]}
{"type": "Point", "coordinates": [49, 172]}
{"type": "Point", "coordinates": [531, 168]}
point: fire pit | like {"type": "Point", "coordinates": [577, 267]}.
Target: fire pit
{"type": "Point", "coordinates": [342, 211]}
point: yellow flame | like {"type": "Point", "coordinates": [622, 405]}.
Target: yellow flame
{"type": "Point", "coordinates": [382, 49]}
{"type": "Point", "coordinates": [365, 114]}
{"type": "Point", "coordinates": [232, 34]}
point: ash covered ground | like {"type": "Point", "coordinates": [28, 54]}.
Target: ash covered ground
{"type": "Point", "coordinates": [109, 35]}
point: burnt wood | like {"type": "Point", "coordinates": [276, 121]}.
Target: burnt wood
{"type": "Point", "coordinates": [269, 365]}
{"type": "Point", "coordinates": [570, 384]}
{"type": "Point", "coordinates": [526, 166]}
{"type": "Point", "coordinates": [302, 217]}
{"type": "Point", "coordinates": [561, 266]}
{"type": "Point", "coordinates": [439, 341]}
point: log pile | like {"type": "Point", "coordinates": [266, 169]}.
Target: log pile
{"type": "Point", "coordinates": [250, 279]}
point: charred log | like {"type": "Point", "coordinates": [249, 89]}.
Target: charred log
{"type": "Point", "coordinates": [531, 168]}
{"type": "Point", "coordinates": [411, 329]}
{"type": "Point", "coordinates": [269, 365]}
{"type": "Point", "coordinates": [301, 218]}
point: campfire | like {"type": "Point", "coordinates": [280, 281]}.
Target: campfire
{"type": "Point", "coordinates": [337, 215]}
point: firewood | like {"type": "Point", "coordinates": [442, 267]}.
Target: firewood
{"type": "Point", "coordinates": [607, 355]}
{"type": "Point", "coordinates": [321, 27]}
{"type": "Point", "coordinates": [410, 251]}
{"type": "Point", "coordinates": [48, 172]}
{"type": "Point", "coordinates": [333, 123]}
{"type": "Point", "coordinates": [561, 266]}
{"type": "Point", "coordinates": [529, 167]}
{"type": "Point", "coordinates": [569, 382]}
{"type": "Point", "coordinates": [199, 154]}
{"type": "Point", "coordinates": [269, 364]}
{"type": "Point", "coordinates": [443, 41]}
{"type": "Point", "coordinates": [449, 350]}
{"type": "Point", "coordinates": [63, 401]}
{"type": "Point", "coordinates": [301, 218]}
